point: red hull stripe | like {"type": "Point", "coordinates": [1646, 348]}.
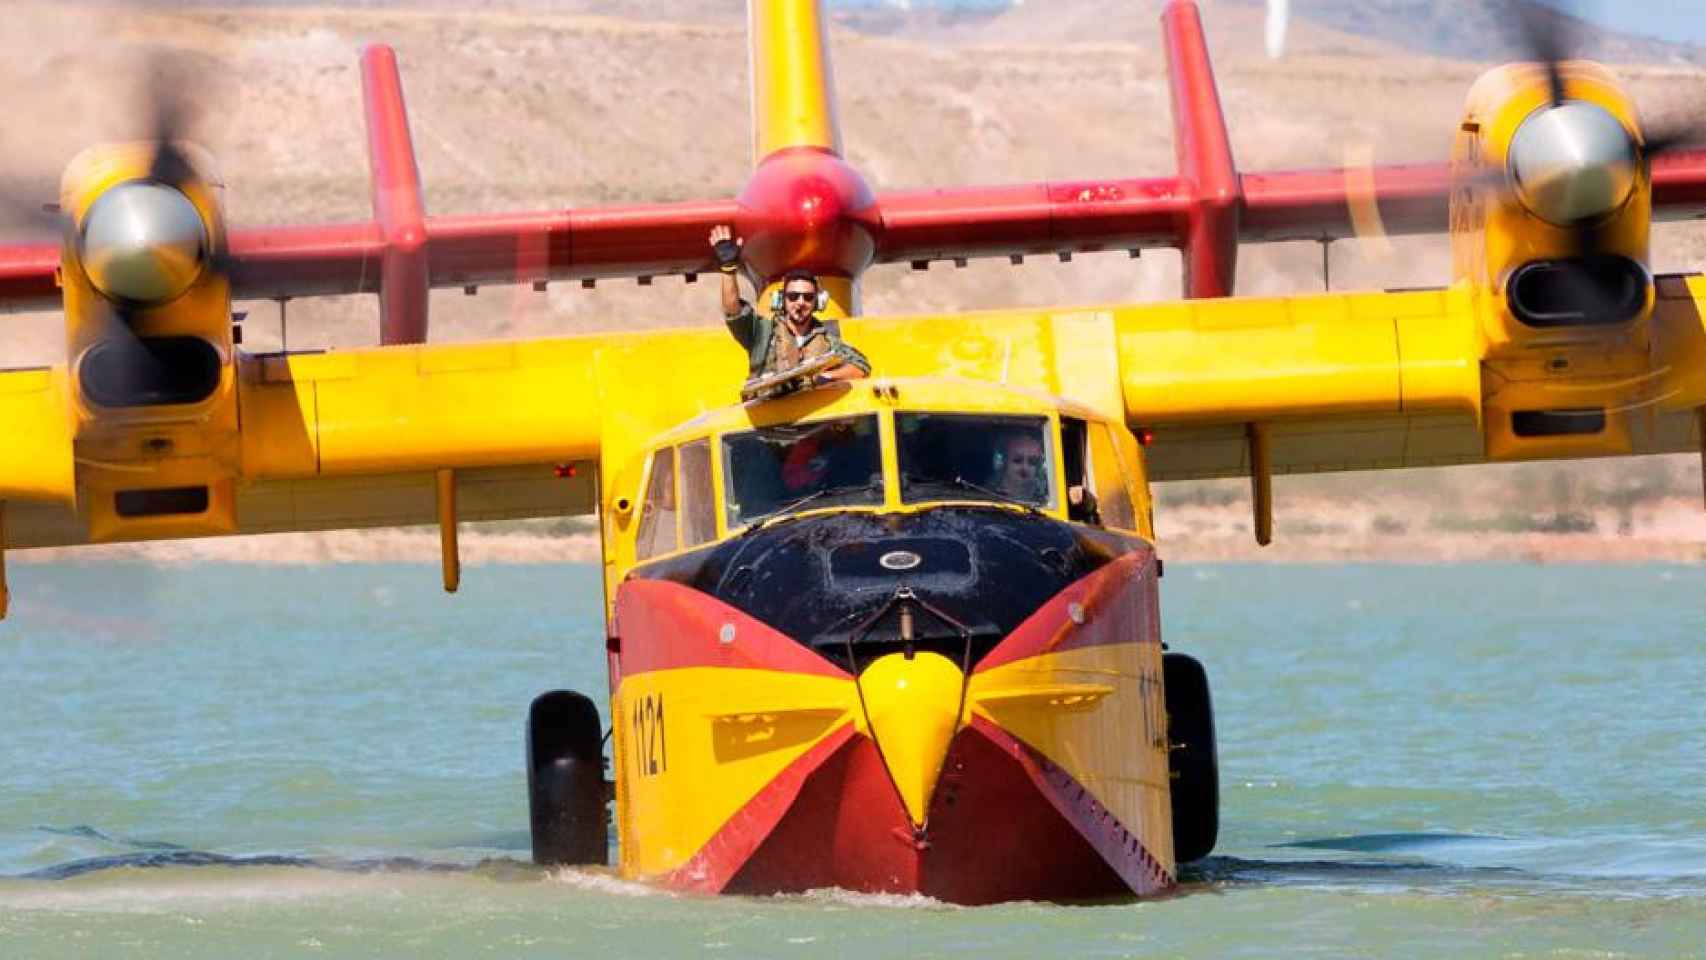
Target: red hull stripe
{"type": "Point", "coordinates": [710, 869]}
{"type": "Point", "coordinates": [676, 627]}
{"type": "Point", "coordinates": [846, 829]}
{"type": "Point", "coordinates": [1000, 829]}
{"type": "Point", "coordinates": [1119, 848]}
{"type": "Point", "coordinates": [1118, 604]}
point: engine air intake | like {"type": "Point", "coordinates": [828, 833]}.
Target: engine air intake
{"type": "Point", "coordinates": [149, 371]}
{"type": "Point", "coordinates": [1578, 292]}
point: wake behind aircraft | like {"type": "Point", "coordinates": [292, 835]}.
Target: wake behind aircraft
{"type": "Point", "coordinates": [897, 634]}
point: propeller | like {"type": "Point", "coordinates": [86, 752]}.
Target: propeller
{"type": "Point", "coordinates": [29, 213]}
{"type": "Point", "coordinates": [1548, 38]}
{"type": "Point", "coordinates": [1574, 164]}
{"type": "Point", "coordinates": [141, 243]}
{"type": "Point", "coordinates": [1544, 39]}
{"type": "Point", "coordinates": [169, 109]}
{"type": "Point", "coordinates": [145, 242]}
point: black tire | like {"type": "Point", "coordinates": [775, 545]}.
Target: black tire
{"type": "Point", "coordinates": [1191, 759]}
{"type": "Point", "coordinates": [565, 780]}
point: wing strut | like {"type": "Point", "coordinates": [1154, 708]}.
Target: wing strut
{"type": "Point", "coordinates": [1261, 483]}
{"type": "Point", "coordinates": [397, 207]}
{"type": "Point", "coordinates": [450, 556]}
{"type": "Point", "coordinates": [1699, 427]}
{"type": "Point", "coordinates": [5, 596]}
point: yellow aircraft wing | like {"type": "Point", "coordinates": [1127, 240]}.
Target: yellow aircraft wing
{"type": "Point", "coordinates": [356, 438]}
{"type": "Point", "coordinates": [1343, 382]}
{"type": "Point", "coordinates": [1358, 381]}
{"type": "Point", "coordinates": [1334, 382]}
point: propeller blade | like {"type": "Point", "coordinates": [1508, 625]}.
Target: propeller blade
{"type": "Point", "coordinates": [1362, 197]}
{"type": "Point", "coordinates": [172, 112]}
{"type": "Point", "coordinates": [1544, 36]}
{"type": "Point", "coordinates": [169, 107]}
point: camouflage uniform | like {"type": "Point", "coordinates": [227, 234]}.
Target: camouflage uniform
{"type": "Point", "coordinates": [771, 347]}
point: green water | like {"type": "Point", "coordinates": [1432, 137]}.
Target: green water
{"type": "Point", "coordinates": [1463, 761]}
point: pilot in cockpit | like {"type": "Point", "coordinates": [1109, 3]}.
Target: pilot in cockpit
{"type": "Point", "coordinates": [1019, 471]}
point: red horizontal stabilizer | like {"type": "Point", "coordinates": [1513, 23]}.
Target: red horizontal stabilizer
{"type": "Point", "coordinates": [271, 263]}
{"type": "Point", "coordinates": [1030, 218]}
{"type": "Point", "coordinates": [480, 249]}
{"type": "Point", "coordinates": [1041, 218]}
{"type": "Point", "coordinates": [27, 277]}
{"type": "Point", "coordinates": [1339, 203]}
{"type": "Point", "coordinates": [663, 239]}
{"type": "Point", "coordinates": [1679, 185]}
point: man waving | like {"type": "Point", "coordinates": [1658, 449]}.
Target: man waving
{"type": "Point", "coordinates": [791, 334]}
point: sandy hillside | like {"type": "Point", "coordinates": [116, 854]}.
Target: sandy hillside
{"type": "Point", "coordinates": [549, 104]}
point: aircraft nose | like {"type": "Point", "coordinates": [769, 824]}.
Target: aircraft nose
{"type": "Point", "coordinates": [913, 707]}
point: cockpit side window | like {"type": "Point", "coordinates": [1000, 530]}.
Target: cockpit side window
{"type": "Point", "coordinates": [657, 514]}
{"type": "Point", "coordinates": [698, 514]}
{"type": "Point", "coordinates": [1074, 444]}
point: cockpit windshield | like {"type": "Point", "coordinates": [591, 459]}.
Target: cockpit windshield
{"type": "Point", "coordinates": [963, 457]}
{"type": "Point", "coordinates": [800, 466]}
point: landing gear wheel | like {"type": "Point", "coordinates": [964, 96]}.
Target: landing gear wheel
{"type": "Point", "coordinates": [1190, 757]}
{"type": "Point", "coordinates": [565, 780]}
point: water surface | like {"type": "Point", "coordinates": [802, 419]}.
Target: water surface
{"type": "Point", "coordinates": [1429, 761]}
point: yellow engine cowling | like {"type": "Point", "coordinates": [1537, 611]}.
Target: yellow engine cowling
{"type": "Point", "coordinates": [151, 378]}
{"type": "Point", "coordinates": [1555, 385]}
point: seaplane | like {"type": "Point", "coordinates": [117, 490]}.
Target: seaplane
{"type": "Point", "coordinates": [845, 648]}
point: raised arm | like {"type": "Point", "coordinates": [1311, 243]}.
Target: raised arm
{"type": "Point", "coordinates": [726, 249]}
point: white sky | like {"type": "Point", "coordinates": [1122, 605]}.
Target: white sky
{"type": "Point", "coordinates": [1681, 20]}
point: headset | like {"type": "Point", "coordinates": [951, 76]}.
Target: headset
{"type": "Point", "coordinates": [822, 294]}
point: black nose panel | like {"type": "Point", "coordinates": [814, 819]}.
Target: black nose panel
{"type": "Point", "coordinates": [975, 574]}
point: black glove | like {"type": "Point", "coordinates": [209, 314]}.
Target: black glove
{"type": "Point", "coordinates": [727, 253]}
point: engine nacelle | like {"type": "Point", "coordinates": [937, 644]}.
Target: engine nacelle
{"type": "Point", "coordinates": [152, 379]}
{"type": "Point", "coordinates": [1551, 225]}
